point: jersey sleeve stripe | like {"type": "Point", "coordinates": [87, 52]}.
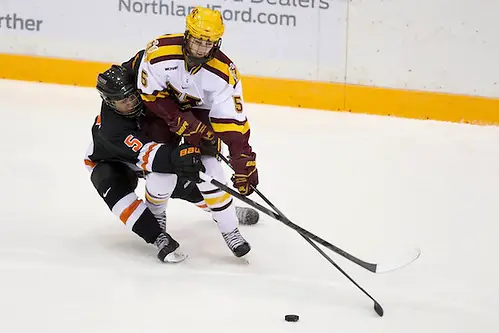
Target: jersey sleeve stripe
{"type": "Point", "coordinates": [137, 56]}
{"type": "Point", "coordinates": [165, 50]}
{"type": "Point", "coordinates": [176, 39]}
{"type": "Point", "coordinates": [167, 57]}
{"type": "Point", "coordinates": [228, 121]}
{"type": "Point", "coordinates": [146, 156]}
{"type": "Point", "coordinates": [89, 163]}
{"type": "Point", "coordinates": [229, 125]}
{"type": "Point", "coordinates": [155, 95]}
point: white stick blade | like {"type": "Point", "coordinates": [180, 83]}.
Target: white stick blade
{"type": "Point", "coordinates": [398, 263]}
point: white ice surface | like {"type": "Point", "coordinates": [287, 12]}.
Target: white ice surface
{"type": "Point", "coordinates": [370, 185]}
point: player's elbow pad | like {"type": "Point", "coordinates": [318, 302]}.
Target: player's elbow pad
{"type": "Point", "coordinates": [162, 161]}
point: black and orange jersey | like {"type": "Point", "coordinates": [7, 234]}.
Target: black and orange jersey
{"type": "Point", "coordinates": [117, 138]}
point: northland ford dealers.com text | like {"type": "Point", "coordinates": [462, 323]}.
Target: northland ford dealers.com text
{"type": "Point", "coordinates": [247, 15]}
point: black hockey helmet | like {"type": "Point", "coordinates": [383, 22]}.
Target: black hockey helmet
{"type": "Point", "coordinates": [118, 90]}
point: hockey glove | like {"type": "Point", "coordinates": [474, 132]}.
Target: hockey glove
{"type": "Point", "coordinates": [210, 148]}
{"type": "Point", "coordinates": [186, 161]}
{"type": "Point", "coordinates": [245, 173]}
{"type": "Point", "coordinates": [190, 128]}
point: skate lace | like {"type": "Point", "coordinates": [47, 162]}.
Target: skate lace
{"type": "Point", "coordinates": [233, 239]}
{"type": "Point", "coordinates": [161, 241]}
{"type": "Point", "coordinates": [161, 221]}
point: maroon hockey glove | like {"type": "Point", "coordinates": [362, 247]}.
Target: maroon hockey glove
{"type": "Point", "coordinates": [211, 148]}
{"type": "Point", "coordinates": [193, 130]}
{"type": "Point", "coordinates": [245, 173]}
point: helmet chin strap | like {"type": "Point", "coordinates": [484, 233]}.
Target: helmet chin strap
{"type": "Point", "coordinates": [193, 61]}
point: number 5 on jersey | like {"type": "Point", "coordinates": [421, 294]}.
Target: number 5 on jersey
{"type": "Point", "coordinates": [133, 143]}
{"type": "Point", "coordinates": [238, 103]}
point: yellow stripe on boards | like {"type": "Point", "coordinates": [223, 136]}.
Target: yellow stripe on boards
{"type": "Point", "coordinates": [422, 105]}
{"type": "Point", "coordinates": [294, 93]}
{"type": "Point", "coordinates": [50, 70]}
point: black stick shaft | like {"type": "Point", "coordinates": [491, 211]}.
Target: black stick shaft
{"type": "Point", "coordinates": [377, 306]}
{"type": "Point", "coordinates": [366, 265]}
{"type": "Point", "coordinates": [280, 216]}
{"type": "Point", "coordinates": [331, 261]}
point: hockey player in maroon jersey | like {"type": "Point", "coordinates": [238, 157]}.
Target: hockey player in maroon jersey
{"type": "Point", "coordinates": [190, 83]}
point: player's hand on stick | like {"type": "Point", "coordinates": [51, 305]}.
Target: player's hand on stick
{"type": "Point", "coordinates": [245, 176]}
{"type": "Point", "coordinates": [186, 160]}
{"type": "Point", "coordinates": [190, 128]}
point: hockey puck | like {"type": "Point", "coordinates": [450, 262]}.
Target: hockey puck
{"type": "Point", "coordinates": [291, 317]}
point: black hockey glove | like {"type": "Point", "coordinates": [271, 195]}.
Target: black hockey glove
{"type": "Point", "coordinates": [186, 160]}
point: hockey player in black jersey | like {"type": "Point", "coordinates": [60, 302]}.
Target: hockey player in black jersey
{"type": "Point", "coordinates": [121, 151]}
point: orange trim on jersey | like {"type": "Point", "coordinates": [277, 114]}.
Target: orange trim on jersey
{"type": "Point", "coordinates": [98, 120]}
{"type": "Point", "coordinates": [90, 163]}
{"type": "Point", "coordinates": [145, 159]}
{"type": "Point", "coordinates": [203, 206]}
{"type": "Point", "coordinates": [125, 215]}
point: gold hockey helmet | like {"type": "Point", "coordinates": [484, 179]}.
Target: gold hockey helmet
{"type": "Point", "coordinates": [205, 24]}
{"type": "Point", "coordinates": [204, 28]}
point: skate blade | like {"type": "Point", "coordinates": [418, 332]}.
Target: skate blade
{"type": "Point", "coordinates": [243, 261]}
{"type": "Point", "coordinates": [175, 257]}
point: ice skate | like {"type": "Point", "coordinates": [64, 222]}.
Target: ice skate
{"type": "Point", "coordinates": [168, 249]}
{"type": "Point", "coordinates": [161, 220]}
{"type": "Point", "coordinates": [247, 215]}
{"type": "Point", "coordinates": [236, 243]}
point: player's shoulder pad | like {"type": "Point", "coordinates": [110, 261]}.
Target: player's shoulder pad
{"type": "Point", "coordinates": [133, 64]}
{"type": "Point", "coordinates": [164, 47]}
{"type": "Point", "coordinates": [223, 67]}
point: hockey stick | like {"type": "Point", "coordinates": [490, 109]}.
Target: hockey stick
{"type": "Point", "coordinates": [279, 216]}
{"type": "Point", "coordinates": [377, 307]}
{"type": "Point", "coordinates": [374, 268]}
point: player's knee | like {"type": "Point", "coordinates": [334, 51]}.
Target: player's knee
{"type": "Point", "coordinates": [161, 184]}
{"type": "Point", "coordinates": [213, 167]}
{"type": "Point", "coordinates": [113, 181]}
